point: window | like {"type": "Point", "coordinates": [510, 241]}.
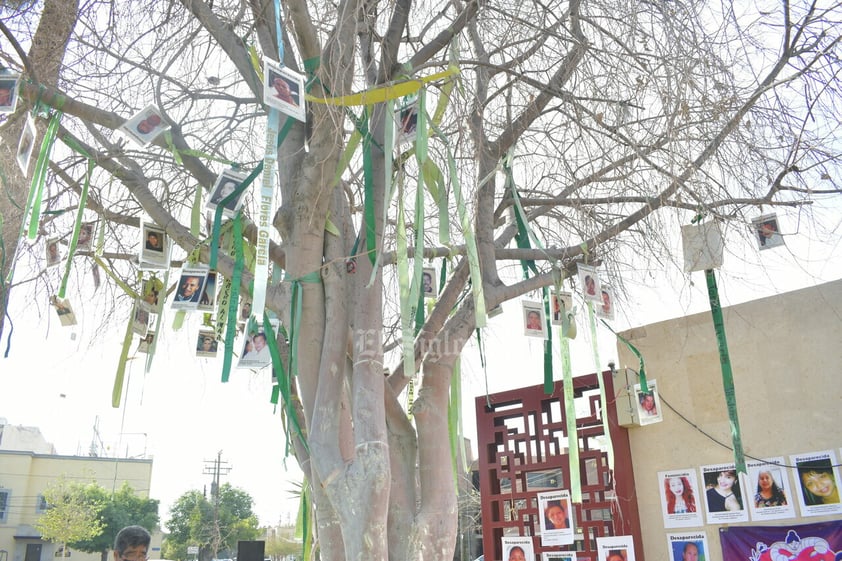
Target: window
{"type": "Point", "coordinates": [41, 504]}
{"type": "Point", "coordinates": [4, 503]}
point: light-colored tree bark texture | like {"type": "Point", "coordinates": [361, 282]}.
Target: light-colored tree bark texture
{"type": "Point", "coordinates": [618, 122]}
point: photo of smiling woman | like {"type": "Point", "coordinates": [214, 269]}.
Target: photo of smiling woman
{"type": "Point", "coordinates": [725, 501]}
{"type": "Point", "coordinates": [817, 481]}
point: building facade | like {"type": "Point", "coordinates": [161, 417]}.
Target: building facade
{"type": "Point", "coordinates": [28, 466]}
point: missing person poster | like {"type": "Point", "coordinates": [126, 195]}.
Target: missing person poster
{"type": "Point", "coordinates": [767, 483]}
{"type": "Point", "coordinates": [817, 482]}
{"type": "Point", "coordinates": [518, 548]}
{"type": "Point", "coordinates": [725, 501]}
{"type": "Point", "coordinates": [688, 546]}
{"type": "Point", "coordinates": [680, 500]}
{"type": "Point", "coordinates": [556, 520]}
{"type": "Point", "coordinates": [615, 548]}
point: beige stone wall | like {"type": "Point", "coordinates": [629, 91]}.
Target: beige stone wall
{"type": "Point", "coordinates": [786, 355]}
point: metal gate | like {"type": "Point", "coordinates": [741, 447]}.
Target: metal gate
{"type": "Point", "coordinates": [522, 444]}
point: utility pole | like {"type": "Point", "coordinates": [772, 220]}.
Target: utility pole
{"type": "Point", "coordinates": [216, 468]}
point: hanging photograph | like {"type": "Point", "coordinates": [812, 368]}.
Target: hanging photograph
{"type": "Point", "coordinates": [150, 293]}
{"type": "Point", "coordinates": [207, 301]}
{"type": "Point", "coordinates": [86, 236]}
{"type": "Point", "coordinates": [190, 287]}
{"type": "Point", "coordinates": [589, 281]}
{"type": "Point", "coordinates": [518, 548]}
{"type": "Point", "coordinates": [406, 121]}
{"type": "Point", "coordinates": [558, 556]}
{"type": "Point", "coordinates": [154, 247]}
{"type": "Point", "coordinates": [688, 546]}
{"type": "Point", "coordinates": [703, 246]}
{"type": "Point", "coordinates": [428, 283]}
{"type": "Point", "coordinates": [556, 302]}
{"type": "Point", "coordinates": [227, 182]}
{"type": "Point", "coordinates": [605, 307]}
{"type": "Point", "coordinates": [283, 89]}
{"type": "Point", "coordinates": [534, 323]}
{"type": "Point", "coordinates": [767, 480]}
{"type": "Point", "coordinates": [767, 232]}
{"type": "Point", "coordinates": [145, 126]}
{"type": "Point", "coordinates": [680, 502]}
{"type": "Point", "coordinates": [26, 145]}
{"type": "Point", "coordinates": [817, 482]}
{"type": "Point", "coordinates": [64, 311]}
{"type": "Point", "coordinates": [8, 92]}
{"type": "Point", "coordinates": [648, 403]}
{"type": "Point", "coordinates": [724, 498]}
{"type": "Point", "coordinates": [206, 344]}
{"type": "Point", "coordinates": [615, 548]}
{"type": "Point", "coordinates": [146, 342]}
{"type": "Point", "coordinates": [255, 351]}
{"type": "Point", "coordinates": [245, 311]}
{"type": "Point", "coordinates": [52, 252]}
{"type": "Point", "coordinates": [140, 319]}
{"type": "Point", "coordinates": [556, 521]}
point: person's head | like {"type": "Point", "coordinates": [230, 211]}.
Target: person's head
{"type": "Point", "coordinates": [259, 342]}
{"type": "Point", "coordinates": [85, 233]}
{"type": "Point", "coordinates": [226, 189]}
{"type": "Point", "coordinates": [555, 514]}
{"type": "Point", "coordinates": [5, 95]}
{"type": "Point", "coordinates": [52, 249]}
{"type": "Point", "coordinates": [149, 338]}
{"type": "Point", "coordinates": [768, 229]}
{"type": "Point", "coordinates": [249, 346]}
{"type": "Point", "coordinates": [690, 553]}
{"type": "Point", "coordinates": [153, 239]}
{"type": "Point", "coordinates": [516, 554]}
{"type": "Point", "coordinates": [590, 284]}
{"type": "Point", "coordinates": [818, 481]}
{"type": "Point", "coordinates": [207, 343]}
{"type": "Point", "coordinates": [132, 544]}
{"type": "Point", "coordinates": [427, 280]}
{"type": "Point", "coordinates": [765, 482]}
{"type": "Point", "coordinates": [189, 285]}
{"type": "Point", "coordinates": [144, 127]}
{"type": "Point", "coordinates": [282, 89]}
{"type": "Point", "coordinates": [725, 479]}
{"type": "Point", "coordinates": [246, 310]}
{"type": "Point", "coordinates": [679, 487]}
{"type": "Point", "coordinates": [151, 297]}
{"type": "Point", "coordinates": [676, 485]}
{"type": "Point", "coordinates": [615, 555]}
{"type": "Point", "coordinates": [606, 301]}
{"type": "Point", "coordinates": [533, 320]}
{"type": "Point", "coordinates": [647, 401]}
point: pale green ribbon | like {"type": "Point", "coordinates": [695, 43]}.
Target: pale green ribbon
{"type": "Point", "coordinates": [570, 418]}
{"type": "Point", "coordinates": [36, 191]}
{"type": "Point", "coordinates": [74, 238]}
{"type": "Point", "coordinates": [266, 208]}
{"type": "Point", "coordinates": [117, 389]}
{"type": "Point", "coordinates": [602, 397]}
{"type": "Point", "coordinates": [470, 241]}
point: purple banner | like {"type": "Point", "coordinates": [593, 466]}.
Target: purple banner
{"type": "Point", "coordinates": [804, 542]}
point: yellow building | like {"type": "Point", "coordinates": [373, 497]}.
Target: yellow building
{"type": "Point", "coordinates": [28, 465]}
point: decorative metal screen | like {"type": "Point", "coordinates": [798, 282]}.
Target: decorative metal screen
{"type": "Point", "coordinates": [523, 450]}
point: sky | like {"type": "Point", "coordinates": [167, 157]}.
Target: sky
{"type": "Point", "coordinates": [180, 413]}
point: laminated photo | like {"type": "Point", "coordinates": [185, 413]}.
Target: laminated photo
{"type": "Point", "coordinates": [648, 403]}
{"type": "Point", "coordinates": [767, 232]}
{"type": "Point", "coordinates": [52, 252]}
{"type": "Point", "coordinates": [26, 145]}
{"type": "Point", "coordinates": [681, 505]}
{"type": "Point", "coordinates": [428, 283]}
{"type": "Point", "coordinates": [8, 92]}
{"type": "Point", "coordinates": [406, 121]}
{"type": "Point", "coordinates": [206, 344]}
{"type": "Point", "coordinates": [615, 548]}
{"type": "Point", "coordinates": [589, 281]}
{"type": "Point", "coordinates": [191, 286]}
{"type": "Point", "coordinates": [817, 482]}
{"type": "Point", "coordinates": [207, 301]}
{"type": "Point", "coordinates": [767, 480]}
{"type": "Point", "coordinates": [724, 499]}
{"type": "Point", "coordinates": [146, 342]}
{"type": "Point", "coordinates": [557, 301]}
{"type": "Point", "coordinates": [556, 518]}
{"type": "Point", "coordinates": [86, 236]}
{"type": "Point", "coordinates": [227, 183]}
{"type": "Point", "coordinates": [518, 548]}
{"type": "Point", "coordinates": [154, 247]}
{"type": "Point", "coordinates": [140, 319]}
{"type": "Point", "coordinates": [255, 350]}
{"type": "Point", "coordinates": [688, 546]}
{"type": "Point", "coordinates": [64, 311]}
{"type": "Point", "coordinates": [283, 89]}
{"type": "Point", "coordinates": [703, 246]}
{"type": "Point", "coordinates": [605, 307]}
{"type": "Point", "coordinates": [145, 126]}
{"type": "Point", "coordinates": [534, 322]}
{"type": "Point", "coordinates": [150, 294]}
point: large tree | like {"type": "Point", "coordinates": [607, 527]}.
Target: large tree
{"type": "Point", "coordinates": [612, 122]}
{"type": "Point", "coordinates": [215, 525]}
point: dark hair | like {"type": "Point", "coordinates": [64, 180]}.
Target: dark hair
{"type": "Point", "coordinates": [131, 536]}
{"type": "Point", "coordinates": [819, 467]}
{"type": "Point", "coordinates": [512, 550]}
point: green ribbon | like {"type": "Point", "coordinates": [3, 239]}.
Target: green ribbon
{"type": "Point", "coordinates": [602, 397]}
{"type": "Point", "coordinates": [74, 238]}
{"type": "Point", "coordinates": [119, 377]}
{"type": "Point", "coordinates": [283, 385]}
{"type": "Point", "coordinates": [402, 262]}
{"type": "Point", "coordinates": [220, 207]}
{"type": "Point", "coordinates": [368, 181]}
{"type": "Point", "coordinates": [727, 375]}
{"type": "Point", "coordinates": [159, 320]}
{"type": "Point", "coordinates": [36, 191]}
{"type": "Point", "coordinates": [296, 311]}
{"type": "Point", "coordinates": [570, 417]}
{"type": "Point", "coordinates": [454, 421]}
{"type": "Point", "coordinates": [236, 277]}
{"type": "Point", "coordinates": [644, 386]}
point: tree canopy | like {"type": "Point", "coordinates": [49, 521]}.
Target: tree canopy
{"type": "Point", "coordinates": [73, 512]}
{"type": "Point", "coordinates": [214, 525]}
{"type": "Point", "coordinates": [549, 134]}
